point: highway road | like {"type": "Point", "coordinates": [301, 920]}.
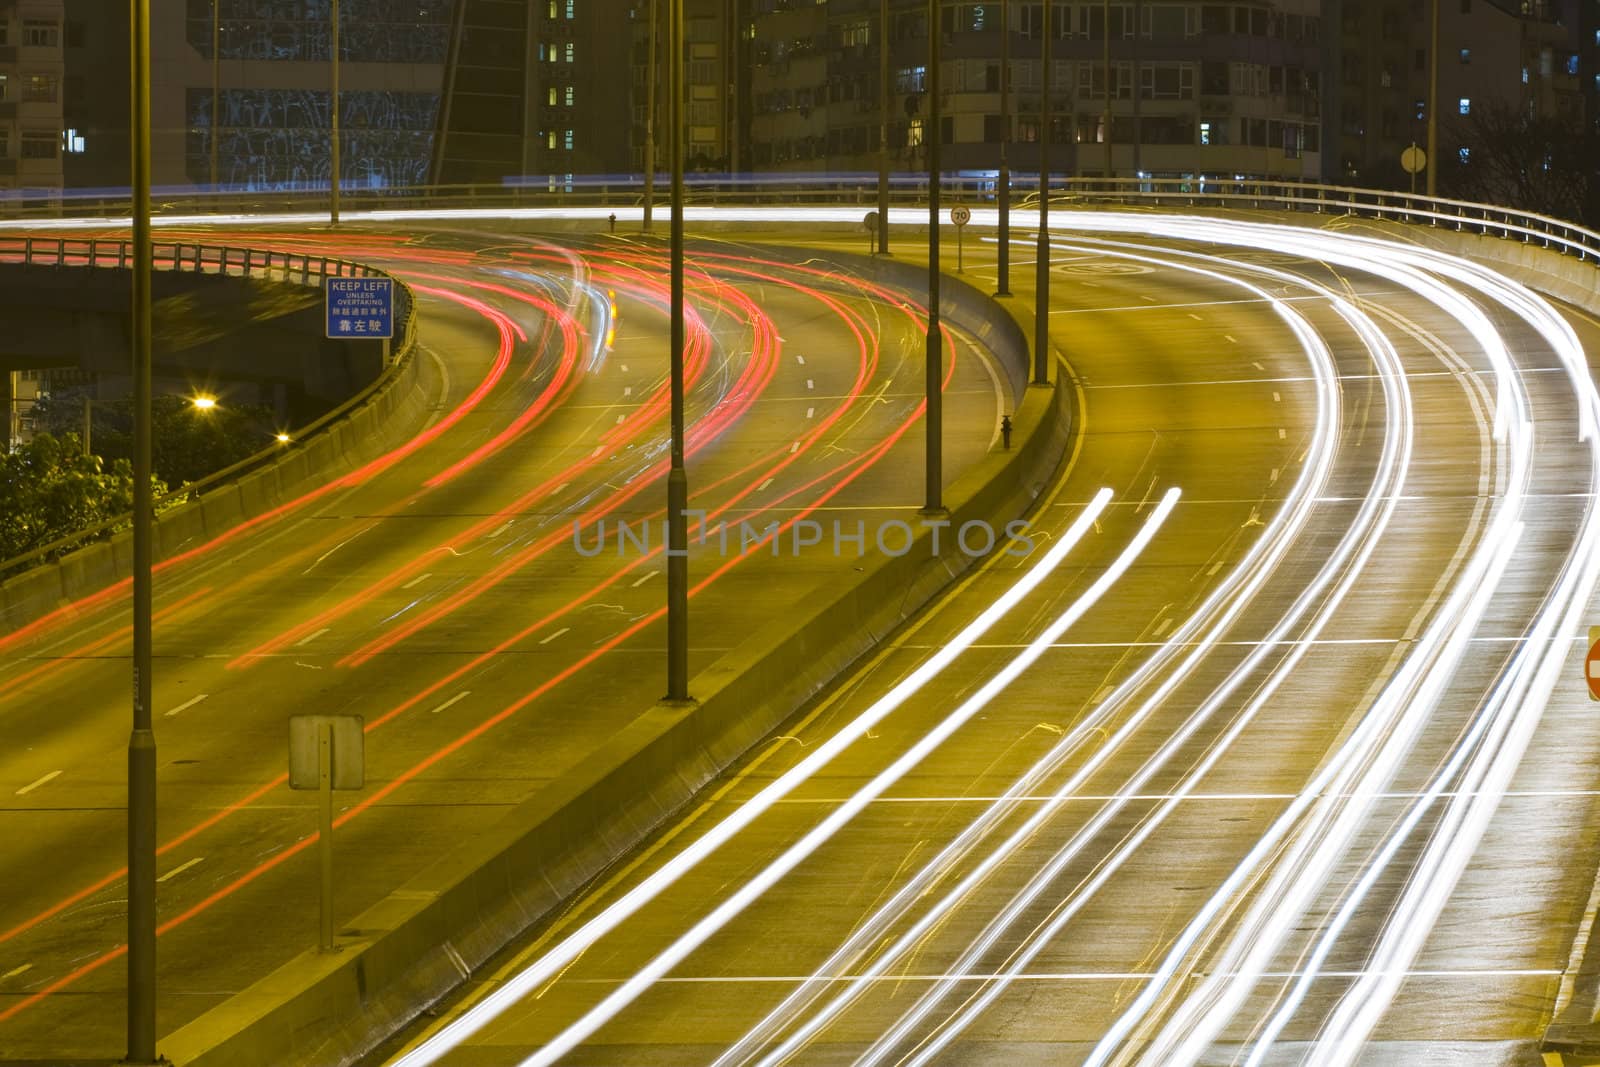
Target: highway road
{"type": "Point", "coordinates": [1275, 749]}
{"type": "Point", "coordinates": [440, 590]}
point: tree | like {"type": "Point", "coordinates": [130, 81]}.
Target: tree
{"type": "Point", "coordinates": [49, 489]}
{"type": "Point", "coordinates": [1544, 164]}
{"type": "Point", "coordinates": [186, 444]}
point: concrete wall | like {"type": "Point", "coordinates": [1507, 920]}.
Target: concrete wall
{"type": "Point", "coordinates": [389, 412]}
{"type": "Point", "coordinates": [329, 1009]}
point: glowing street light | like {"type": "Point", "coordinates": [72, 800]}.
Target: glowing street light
{"type": "Point", "coordinates": [203, 403]}
{"type": "Point", "coordinates": [283, 438]}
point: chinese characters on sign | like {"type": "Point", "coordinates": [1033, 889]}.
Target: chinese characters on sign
{"type": "Point", "coordinates": [360, 307]}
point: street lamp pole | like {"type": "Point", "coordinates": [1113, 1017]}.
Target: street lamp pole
{"type": "Point", "coordinates": [650, 124]}
{"type": "Point", "coordinates": [677, 477]}
{"type": "Point", "coordinates": [1105, 118]}
{"type": "Point", "coordinates": [1432, 162]}
{"type": "Point", "coordinates": [333, 112]}
{"type": "Point", "coordinates": [1041, 278]}
{"type": "Point", "coordinates": [142, 741]}
{"type": "Point", "coordinates": [1003, 179]}
{"type": "Point", "coordinates": [216, 85]}
{"type": "Point", "coordinates": [934, 501]}
{"type": "Point", "coordinates": [883, 127]}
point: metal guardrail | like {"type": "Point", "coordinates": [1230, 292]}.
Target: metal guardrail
{"type": "Point", "coordinates": [212, 259]}
{"type": "Point", "coordinates": [40, 251]}
{"type": "Point", "coordinates": [854, 189]}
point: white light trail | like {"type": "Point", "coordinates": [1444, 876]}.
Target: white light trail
{"type": "Point", "coordinates": [573, 1035]}
{"type": "Point", "coordinates": [571, 947]}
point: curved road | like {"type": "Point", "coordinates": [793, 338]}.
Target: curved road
{"type": "Point", "coordinates": [439, 589]}
{"type": "Point", "coordinates": [1274, 750]}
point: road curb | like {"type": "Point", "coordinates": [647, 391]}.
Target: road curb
{"type": "Point", "coordinates": [413, 947]}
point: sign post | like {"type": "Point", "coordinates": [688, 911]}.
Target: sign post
{"type": "Point", "coordinates": [359, 307]}
{"type": "Point", "coordinates": [870, 224]}
{"type": "Point", "coordinates": [960, 215]}
{"type": "Point", "coordinates": [1591, 663]}
{"type": "Point", "coordinates": [326, 753]}
{"type": "Point", "coordinates": [1413, 159]}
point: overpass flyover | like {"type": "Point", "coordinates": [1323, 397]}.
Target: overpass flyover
{"type": "Point", "coordinates": [1273, 747]}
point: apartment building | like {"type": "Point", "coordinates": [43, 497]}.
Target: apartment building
{"type": "Point", "coordinates": [717, 74]}
{"type": "Point", "coordinates": [1178, 89]}
{"type": "Point", "coordinates": [32, 87]}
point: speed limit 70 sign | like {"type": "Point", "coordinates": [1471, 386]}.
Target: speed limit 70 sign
{"type": "Point", "coordinates": [1591, 663]}
{"type": "Point", "coordinates": [960, 215]}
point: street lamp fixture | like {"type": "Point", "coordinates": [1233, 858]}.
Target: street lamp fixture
{"type": "Point", "coordinates": [203, 403]}
{"type": "Point", "coordinates": [283, 438]}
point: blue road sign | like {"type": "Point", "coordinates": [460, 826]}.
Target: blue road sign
{"type": "Point", "coordinates": [360, 307]}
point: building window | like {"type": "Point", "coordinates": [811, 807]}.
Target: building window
{"type": "Point", "coordinates": [1464, 154]}
{"type": "Point", "coordinates": [855, 33]}
{"type": "Point", "coordinates": [1205, 132]}
{"type": "Point", "coordinates": [550, 140]}
{"type": "Point", "coordinates": [569, 51]}
{"type": "Point", "coordinates": [39, 144]}
{"type": "Point", "coordinates": [572, 12]}
{"type": "Point", "coordinates": [550, 97]}
{"type": "Point", "coordinates": [566, 140]}
{"type": "Point", "coordinates": [5, 86]}
{"type": "Point", "coordinates": [1572, 64]}
{"type": "Point", "coordinates": [1466, 56]}
{"type": "Point", "coordinates": [570, 96]}
{"type": "Point", "coordinates": [40, 33]}
{"type": "Point", "coordinates": [1465, 105]}
{"type": "Point", "coordinates": [5, 143]}
{"type": "Point", "coordinates": [40, 88]}
{"type": "Point", "coordinates": [5, 32]}
{"type": "Point", "coordinates": [72, 142]}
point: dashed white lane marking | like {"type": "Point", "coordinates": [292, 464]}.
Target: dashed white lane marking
{"type": "Point", "coordinates": [180, 869]}
{"type": "Point", "coordinates": [308, 638]}
{"type": "Point", "coordinates": [621, 419]}
{"type": "Point", "coordinates": [1215, 567]}
{"type": "Point", "coordinates": [810, 384]}
{"type": "Point", "coordinates": [800, 360]}
{"type": "Point", "coordinates": [1229, 338]}
{"type": "Point", "coordinates": [1256, 365]}
{"type": "Point", "coordinates": [13, 972]}
{"type": "Point", "coordinates": [762, 487]}
{"type": "Point", "coordinates": [558, 488]}
{"type": "Point", "coordinates": [597, 450]}
{"type": "Point", "coordinates": [187, 704]}
{"type": "Point", "coordinates": [452, 702]}
{"type": "Point", "coordinates": [555, 635]}
{"type": "Point", "coordinates": [1277, 397]}
{"type": "Point", "coordinates": [794, 447]}
{"type": "Point", "coordinates": [1273, 478]}
{"type": "Point", "coordinates": [31, 786]}
{"type": "Point", "coordinates": [1282, 433]}
{"type": "Point", "coordinates": [1166, 624]}
{"type": "Point", "coordinates": [810, 412]}
{"type": "Point", "coordinates": [502, 528]}
{"type": "Point", "coordinates": [627, 390]}
{"type": "Point", "coordinates": [418, 580]}
{"type": "Point", "coordinates": [644, 579]}
{"type": "Point", "coordinates": [1195, 317]}
{"type": "Point", "coordinates": [624, 368]}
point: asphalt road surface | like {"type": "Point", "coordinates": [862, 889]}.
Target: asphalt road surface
{"type": "Point", "coordinates": [1274, 749]}
{"type": "Point", "coordinates": [440, 591]}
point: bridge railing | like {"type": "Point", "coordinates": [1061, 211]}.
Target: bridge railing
{"type": "Point", "coordinates": [208, 259]}
{"type": "Point", "coordinates": [843, 190]}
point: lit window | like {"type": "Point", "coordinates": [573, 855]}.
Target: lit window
{"type": "Point", "coordinates": [550, 97]}
{"type": "Point", "coordinates": [1466, 55]}
{"type": "Point", "coordinates": [550, 140]}
{"type": "Point", "coordinates": [72, 142]}
{"type": "Point", "coordinates": [1464, 154]}
{"type": "Point", "coordinates": [1205, 133]}
{"type": "Point", "coordinates": [1572, 64]}
{"type": "Point", "coordinates": [570, 97]}
{"type": "Point", "coordinates": [571, 9]}
{"type": "Point", "coordinates": [1464, 105]}
{"type": "Point", "coordinates": [569, 51]}
{"type": "Point", "coordinates": [40, 88]}
{"type": "Point", "coordinates": [566, 140]}
{"type": "Point", "coordinates": [1524, 75]}
{"type": "Point", "coordinates": [5, 87]}
{"type": "Point", "coordinates": [552, 8]}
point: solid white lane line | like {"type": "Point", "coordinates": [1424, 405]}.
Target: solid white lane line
{"type": "Point", "coordinates": [453, 701]}
{"type": "Point", "coordinates": [643, 579]}
{"type": "Point", "coordinates": [555, 635]}
{"type": "Point", "coordinates": [180, 869]}
{"type": "Point", "coordinates": [31, 786]}
{"type": "Point", "coordinates": [418, 580]}
{"type": "Point", "coordinates": [308, 638]}
{"type": "Point", "coordinates": [187, 704]}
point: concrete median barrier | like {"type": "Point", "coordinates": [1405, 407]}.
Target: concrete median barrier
{"type": "Point", "coordinates": [424, 939]}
